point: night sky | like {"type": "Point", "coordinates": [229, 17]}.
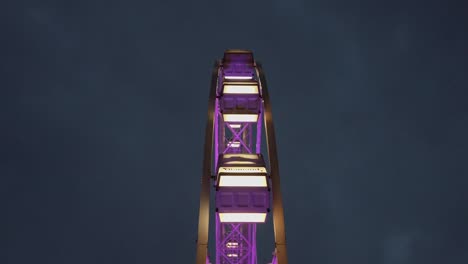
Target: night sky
{"type": "Point", "coordinates": [103, 109]}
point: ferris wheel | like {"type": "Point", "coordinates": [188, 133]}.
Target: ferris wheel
{"type": "Point", "coordinates": [245, 181]}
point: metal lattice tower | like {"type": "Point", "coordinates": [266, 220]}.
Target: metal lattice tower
{"type": "Point", "coordinates": [245, 186]}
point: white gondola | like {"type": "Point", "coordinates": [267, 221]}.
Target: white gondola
{"type": "Point", "coordinates": [242, 188]}
{"type": "Point", "coordinates": [240, 91]}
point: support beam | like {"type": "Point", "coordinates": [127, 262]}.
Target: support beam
{"type": "Point", "coordinates": [278, 211]}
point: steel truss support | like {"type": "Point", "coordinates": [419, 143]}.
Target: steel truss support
{"type": "Point", "coordinates": [236, 242]}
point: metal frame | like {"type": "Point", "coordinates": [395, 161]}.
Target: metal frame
{"type": "Point", "coordinates": [278, 211]}
{"type": "Point", "coordinates": [215, 143]}
{"type": "Point", "coordinates": [237, 135]}
{"type": "Point", "coordinates": [242, 234]}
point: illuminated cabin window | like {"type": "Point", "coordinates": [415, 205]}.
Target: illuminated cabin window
{"type": "Point", "coordinates": [242, 181]}
{"type": "Point", "coordinates": [242, 217]}
{"type": "Point", "coordinates": [240, 118]}
{"type": "Point", "coordinates": [242, 170]}
{"type": "Point", "coordinates": [238, 77]}
{"type": "Point", "coordinates": [240, 88]}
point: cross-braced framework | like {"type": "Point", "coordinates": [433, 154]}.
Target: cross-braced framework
{"type": "Point", "coordinates": [235, 242]}
{"type": "Point", "coordinates": [238, 108]}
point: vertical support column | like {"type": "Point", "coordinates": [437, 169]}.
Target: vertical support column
{"type": "Point", "coordinates": [216, 132]}
{"type": "Point", "coordinates": [258, 149]}
{"type": "Point", "coordinates": [278, 211]}
{"type": "Point", "coordinates": [250, 137]}
{"type": "Point", "coordinates": [219, 236]}
{"type": "Point", "coordinates": [223, 135]}
{"type": "Point", "coordinates": [253, 246]}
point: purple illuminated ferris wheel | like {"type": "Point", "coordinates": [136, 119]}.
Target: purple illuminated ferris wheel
{"type": "Point", "coordinates": [246, 186]}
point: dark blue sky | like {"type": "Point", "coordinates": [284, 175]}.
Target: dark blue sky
{"type": "Point", "coordinates": [103, 107]}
